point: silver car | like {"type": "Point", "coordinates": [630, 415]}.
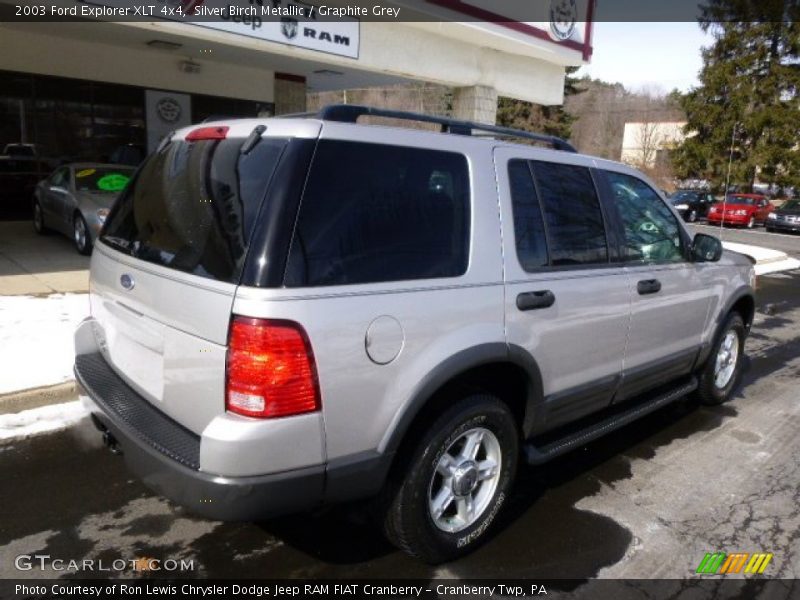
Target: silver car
{"type": "Point", "coordinates": [293, 312]}
{"type": "Point", "coordinates": [75, 200]}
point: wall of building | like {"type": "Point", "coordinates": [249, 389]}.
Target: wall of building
{"type": "Point", "coordinates": [642, 142]}
{"type": "Point", "coordinates": [290, 94]}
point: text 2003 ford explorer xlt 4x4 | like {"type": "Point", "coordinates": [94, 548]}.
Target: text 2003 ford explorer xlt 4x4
{"type": "Point", "coordinates": [291, 312]}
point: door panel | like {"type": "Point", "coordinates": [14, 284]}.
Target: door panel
{"type": "Point", "coordinates": [573, 320]}
{"type": "Point", "coordinates": [578, 342]}
{"type": "Point", "coordinates": [666, 326]}
{"type": "Point", "coordinates": [669, 303]}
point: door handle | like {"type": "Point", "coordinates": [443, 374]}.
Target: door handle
{"type": "Point", "coordinates": [648, 286]}
{"type": "Point", "coordinates": [534, 300]}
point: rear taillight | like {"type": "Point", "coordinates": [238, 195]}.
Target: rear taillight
{"type": "Point", "coordinates": [207, 133]}
{"type": "Point", "coordinates": [270, 369]}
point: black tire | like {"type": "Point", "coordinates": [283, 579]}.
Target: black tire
{"type": "Point", "coordinates": [770, 229]}
{"type": "Point", "coordinates": [83, 244]}
{"type": "Point", "coordinates": [708, 392]}
{"type": "Point", "coordinates": [38, 219]}
{"type": "Point", "coordinates": [407, 519]}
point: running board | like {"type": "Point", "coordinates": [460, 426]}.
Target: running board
{"type": "Point", "coordinates": [538, 456]}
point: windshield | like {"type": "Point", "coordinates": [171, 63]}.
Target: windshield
{"type": "Point", "coordinates": [102, 179]}
{"type": "Point", "coordinates": [683, 197]}
{"type": "Point", "coordinates": [741, 200]}
{"type": "Point", "coordinates": [791, 205]}
{"type": "Point", "coordinates": [192, 206]}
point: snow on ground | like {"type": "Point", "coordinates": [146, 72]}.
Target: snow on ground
{"type": "Point", "coordinates": [767, 260]}
{"type": "Point", "coordinates": [36, 339]}
{"type": "Point", "coordinates": [40, 420]}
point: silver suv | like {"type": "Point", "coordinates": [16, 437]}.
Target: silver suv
{"type": "Point", "coordinates": [295, 312]}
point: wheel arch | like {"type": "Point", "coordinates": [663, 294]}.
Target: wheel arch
{"type": "Point", "coordinates": [509, 372]}
{"type": "Point", "coordinates": [742, 301]}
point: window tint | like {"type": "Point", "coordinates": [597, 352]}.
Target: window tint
{"type": "Point", "coordinates": [193, 204]}
{"type": "Point", "coordinates": [573, 218]}
{"type": "Point", "coordinates": [60, 178]}
{"type": "Point", "coordinates": [528, 224]}
{"type": "Point", "coordinates": [373, 213]}
{"type": "Point", "coordinates": [652, 232]}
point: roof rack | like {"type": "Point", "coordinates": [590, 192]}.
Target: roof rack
{"type": "Point", "coordinates": [350, 113]}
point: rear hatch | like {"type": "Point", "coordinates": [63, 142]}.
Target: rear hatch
{"type": "Point", "coordinates": [167, 264]}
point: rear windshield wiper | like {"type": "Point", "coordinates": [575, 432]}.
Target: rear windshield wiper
{"type": "Point", "coordinates": [252, 140]}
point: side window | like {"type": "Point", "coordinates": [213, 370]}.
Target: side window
{"type": "Point", "coordinates": [652, 233]}
{"type": "Point", "coordinates": [373, 212]}
{"type": "Point", "coordinates": [573, 219]}
{"type": "Point", "coordinates": [529, 232]}
{"type": "Point", "coordinates": [59, 178]}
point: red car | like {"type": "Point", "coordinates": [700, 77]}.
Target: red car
{"type": "Point", "coordinates": [741, 209]}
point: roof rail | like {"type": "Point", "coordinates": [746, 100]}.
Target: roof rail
{"type": "Point", "coordinates": [350, 113]}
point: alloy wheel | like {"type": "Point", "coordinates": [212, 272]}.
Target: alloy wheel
{"type": "Point", "coordinates": [727, 357]}
{"type": "Point", "coordinates": [465, 480]}
{"type": "Point", "coordinates": [80, 234]}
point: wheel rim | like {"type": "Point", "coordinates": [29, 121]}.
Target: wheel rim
{"type": "Point", "coordinates": [727, 357]}
{"type": "Point", "coordinates": [465, 480]}
{"type": "Point", "coordinates": [37, 216]}
{"type": "Point", "coordinates": [751, 222]}
{"type": "Point", "coordinates": [692, 216]}
{"type": "Point", "coordinates": [80, 233]}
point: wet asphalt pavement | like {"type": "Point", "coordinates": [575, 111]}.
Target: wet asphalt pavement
{"type": "Point", "coordinates": [646, 501]}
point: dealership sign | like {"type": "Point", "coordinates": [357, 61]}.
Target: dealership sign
{"type": "Point", "coordinates": [282, 21]}
{"type": "Point", "coordinates": [165, 112]}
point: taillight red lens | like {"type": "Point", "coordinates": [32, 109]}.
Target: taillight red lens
{"type": "Point", "coordinates": [270, 371]}
{"type": "Point", "coordinates": [207, 133]}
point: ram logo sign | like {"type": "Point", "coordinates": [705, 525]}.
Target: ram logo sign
{"type": "Point", "coordinates": [721, 563]}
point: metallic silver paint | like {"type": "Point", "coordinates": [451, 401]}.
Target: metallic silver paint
{"type": "Point", "coordinates": [167, 337]}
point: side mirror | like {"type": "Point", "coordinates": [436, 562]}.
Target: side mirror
{"type": "Point", "coordinates": [706, 248]}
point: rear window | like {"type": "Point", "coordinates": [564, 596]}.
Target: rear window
{"type": "Point", "coordinates": [193, 205]}
{"type": "Point", "coordinates": [375, 213]}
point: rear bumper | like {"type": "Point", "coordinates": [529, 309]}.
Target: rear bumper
{"type": "Point", "coordinates": [165, 456]}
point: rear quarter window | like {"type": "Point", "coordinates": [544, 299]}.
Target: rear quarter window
{"type": "Point", "coordinates": [375, 213]}
{"type": "Point", "coordinates": [193, 205]}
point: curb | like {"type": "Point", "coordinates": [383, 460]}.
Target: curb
{"type": "Point", "coordinates": [15, 402]}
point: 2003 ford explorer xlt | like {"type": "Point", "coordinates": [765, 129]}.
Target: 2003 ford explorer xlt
{"type": "Point", "coordinates": [300, 311]}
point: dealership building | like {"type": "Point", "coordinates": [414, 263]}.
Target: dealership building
{"type": "Point", "coordinates": [101, 90]}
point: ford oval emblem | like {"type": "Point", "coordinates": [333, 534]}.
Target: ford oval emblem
{"type": "Point", "coordinates": [126, 281]}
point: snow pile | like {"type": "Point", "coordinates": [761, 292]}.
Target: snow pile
{"type": "Point", "coordinates": [36, 339]}
{"type": "Point", "coordinates": [40, 420]}
{"type": "Point", "coordinates": [767, 260]}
